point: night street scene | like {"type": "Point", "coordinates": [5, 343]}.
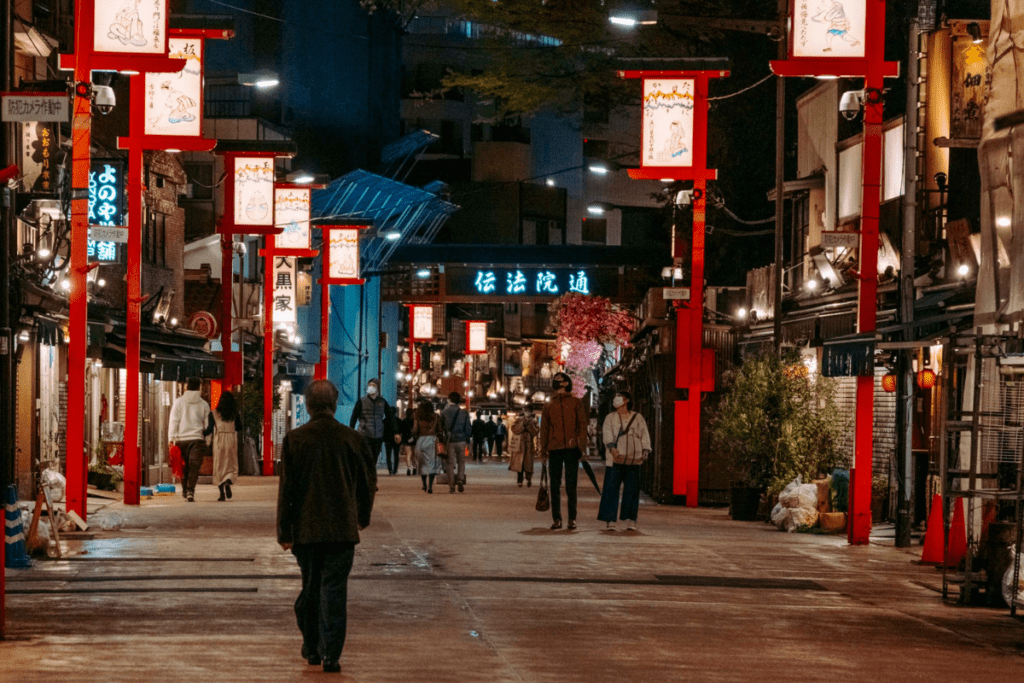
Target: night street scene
{"type": "Point", "coordinates": [518, 341]}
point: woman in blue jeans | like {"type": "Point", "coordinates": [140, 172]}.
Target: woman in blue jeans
{"type": "Point", "coordinates": [628, 443]}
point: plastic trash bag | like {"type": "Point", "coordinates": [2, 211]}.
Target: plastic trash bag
{"type": "Point", "coordinates": [797, 506]}
{"type": "Point", "coordinates": [799, 495]}
{"type": "Point", "coordinates": [1008, 586]}
{"type": "Point", "coordinates": [109, 521]}
{"type": "Point", "coordinates": [55, 484]}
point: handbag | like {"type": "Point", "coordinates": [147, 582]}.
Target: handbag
{"type": "Point", "coordinates": [543, 499]}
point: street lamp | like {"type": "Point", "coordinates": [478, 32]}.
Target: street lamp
{"type": "Point", "coordinates": [630, 15]}
{"type": "Point", "coordinates": [600, 208]}
{"type": "Point", "coordinates": [261, 79]}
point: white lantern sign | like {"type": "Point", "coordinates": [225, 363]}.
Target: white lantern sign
{"type": "Point", "coordinates": [476, 336]}
{"type": "Point", "coordinates": [254, 190]}
{"type": "Point", "coordinates": [284, 290]}
{"type": "Point", "coordinates": [344, 253]}
{"type": "Point", "coordinates": [130, 26]}
{"type": "Point", "coordinates": [668, 122]}
{"type": "Point", "coordinates": [173, 99]}
{"type": "Point", "coordinates": [828, 28]}
{"type": "Point", "coordinates": [291, 213]}
{"type": "Point", "coordinates": [422, 323]}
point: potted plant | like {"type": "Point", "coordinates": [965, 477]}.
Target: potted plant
{"type": "Point", "coordinates": [99, 476]}
{"type": "Point", "coordinates": [839, 501]}
{"type": "Point", "coordinates": [879, 498]}
{"type": "Point", "coordinates": [775, 422]}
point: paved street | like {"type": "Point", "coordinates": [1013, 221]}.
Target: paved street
{"type": "Point", "coordinates": [474, 587]}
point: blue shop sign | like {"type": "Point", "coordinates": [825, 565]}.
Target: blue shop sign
{"type": "Point", "coordinates": [106, 203]}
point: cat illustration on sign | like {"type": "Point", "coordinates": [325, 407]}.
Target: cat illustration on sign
{"type": "Point", "coordinates": [127, 26]}
{"type": "Point", "coordinates": [177, 106]}
{"type": "Point", "coordinates": [257, 208]}
{"type": "Point", "coordinates": [838, 25]}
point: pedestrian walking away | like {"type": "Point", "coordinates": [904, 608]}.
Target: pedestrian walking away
{"type": "Point", "coordinates": [405, 426]}
{"type": "Point", "coordinates": [458, 428]}
{"type": "Point", "coordinates": [371, 413]}
{"type": "Point", "coordinates": [425, 432]}
{"type": "Point", "coordinates": [522, 446]}
{"type": "Point", "coordinates": [627, 445]}
{"type": "Point", "coordinates": [563, 435]}
{"type": "Point", "coordinates": [491, 432]}
{"type": "Point", "coordinates": [186, 429]}
{"type": "Point", "coordinates": [500, 436]}
{"type": "Point", "coordinates": [225, 424]}
{"type": "Point", "coordinates": [325, 497]}
{"type": "Point", "coordinates": [392, 439]}
{"type": "Point", "coordinates": [479, 437]}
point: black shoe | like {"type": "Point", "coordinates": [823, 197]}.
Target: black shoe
{"type": "Point", "coordinates": [462, 488]}
{"type": "Point", "coordinates": [227, 490]}
{"type": "Point", "coordinates": [190, 497]}
{"type": "Point", "coordinates": [430, 490]}
{"type": "Point", "coordinates": [556, 525]}
{"type": "Point", "coordinates": [572, 523]}
{"type": "Point", "coordinates": [332, 666]}
{"type": "Point", "coordinates": [222, 498]}
{"type": "Point", "coordinates": [311, 656]}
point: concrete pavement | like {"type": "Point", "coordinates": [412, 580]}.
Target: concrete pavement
{"type": "Point", "coordinates": [474, 587]}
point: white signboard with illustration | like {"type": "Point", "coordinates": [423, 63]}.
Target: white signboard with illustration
{"type": "Point", "coordinates": [254, 189]}
{"type": "Point", "coordinates": [668, 122]}
{"type": "Point", "coordinates": [172, 100]}
{"type": "Point", "coordinates": [130, 26]}
{"type": "Point", "coordinates": [344, 258]}
{"type": "Point", "coordinates": [476, 337]}
{"type": "Point", "coordinates": [291, 212]}
{"type": "Point", "coordinates": [828, 28]}
{"type": "Point", "coordinates": [422, 322]}
{"type": "Point", "coordinates": [284, 290]}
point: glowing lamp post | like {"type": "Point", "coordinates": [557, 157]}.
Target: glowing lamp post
{"type": "Point", "coordinates": [339, 264]}
{"type": "Point", "coordinates": [673, 145]}
{"type": "Point", "coordinates": [835, 39]}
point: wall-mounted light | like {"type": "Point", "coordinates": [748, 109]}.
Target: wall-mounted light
{"type": "Point", "coordinates": [926, 378]}
{"type": "Point", "coordinates": [741, 314]}
{"type": "Point", "coordinates": [423, 273]}
{"type": "Point", "coordinates": [889, 383]}
{"type": "Point", "coordinates": [1004, 221]}
{"type": "Point", "coordinates": [974, 31]}
{"type": "Point", "coordinates": [963, 269]}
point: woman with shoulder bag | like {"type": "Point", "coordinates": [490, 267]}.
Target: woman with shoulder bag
{"type": "Point", "coordinates": [628, 443]}
{"type": "Point", "coordinates": [425, 431]}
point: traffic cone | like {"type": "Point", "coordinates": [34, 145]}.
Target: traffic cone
{"type": "Point", "coordinates": [15, 556]}
{"type": "Point", "coordinates": [934, 535]}
{"type": "Point", "coordinates": [957, 537]}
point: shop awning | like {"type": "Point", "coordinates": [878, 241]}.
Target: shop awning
{"type": "Point", "coordinates": [172, 356]}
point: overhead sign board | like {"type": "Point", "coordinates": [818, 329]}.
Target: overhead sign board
{"type": "Point", "coordinates": [46, 107]}
{"type": "Point", "coordinates": [840, 239]}
{"type": "Point", "coordinates": [476, 336]}
{"type": "Point", "coordinates": [108, 234]}
{"type": "Point", "coordinates": [254, 190]}
{"type": "Point", "coordinates": [676, 293]}
{"type": "Point", "coordinates": [137, 27]}
{"type": "Point", "coordinates": [828, 28]}
{"type": "Point", "coordinates": [421, 319]}
{"type": "Point", "coordinates": [174, 100]}
{"type": "Point", "coordinates": [506, 281]}
{"type": "Point", "coordinates": [344, 253]}
{"type": "Point", "coordinates": [291, 212]}
{"type": "Point", "coordinates": [284, 290]}
{"type": "Point", "coordinates": [668, 122]}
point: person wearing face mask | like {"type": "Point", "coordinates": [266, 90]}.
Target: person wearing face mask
{"type": "Point", "coordinates": [371, 412]}
{"type": "Point", "coordinates": [628, 443]}
{"type": "Point", "coordinates": [521, 446]}
{"type": "Point", "coordinates": [563, 436]}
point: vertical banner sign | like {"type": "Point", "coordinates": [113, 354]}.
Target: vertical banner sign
{"type": "Point", "coordinates": [254, 189]}
{"type": "Point", "coordinates": [344, 253]}
{"type": "Point", "coordinates": [38, 146]}
{"type": "Point", "coordinates": [421, 326]}
{"type": "Point", "coordinates": [174, 100]}
{"type": "Point", "coordinates": [828, 28]}
{"type": "Point", "coordinates": [476, 336]}
{"type": "Point", "coordinates": [969, 83]}
{"type": "Point", "coordinates": [130, 26]}
{"type": "Point", "coordinates": [291, 212]}
{"type": "Point", "coordinates": [284, 290]}
{"type": "Point", "coordinates": [668, 122]}
{"type": "Point", "coordinates": [106, 203]}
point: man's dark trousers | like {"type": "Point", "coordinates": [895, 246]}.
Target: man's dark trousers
{"type": "Point", "coordinates": [375, 445]}
{"type": "Point", "coordinates": [322, 607]}
{"type": "Point", "coordinates": [391, 450]}
{"type": "Point", "coordinates": [478, 449]}
{"type": "Point", "coordinates": [192, 454]}
{"type": "Point", "coordinates": [570, 459]}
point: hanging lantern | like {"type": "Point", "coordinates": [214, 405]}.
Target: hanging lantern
{"type": "Point", "coordinates": [926, 379]}
{"type": "Point", "coordinates": [889, 383]}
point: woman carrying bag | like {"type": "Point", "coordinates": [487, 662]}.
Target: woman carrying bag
{"type": "Point", "coordinates": [425, 431]}
{"type": "Point", "coordinates": [628, 443]}
{"type": "Point", "coordinates": [521, 446]}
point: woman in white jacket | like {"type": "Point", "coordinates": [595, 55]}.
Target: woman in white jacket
{"type": "Point", "coordinates": [628, 443]}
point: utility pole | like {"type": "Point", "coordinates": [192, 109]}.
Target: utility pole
{"type": "Point", "coordinates": [780, 179]}
{"type": "Point", "coordinates": [904, 365]}
{"type": "Point", "coordinates": [6, 339]}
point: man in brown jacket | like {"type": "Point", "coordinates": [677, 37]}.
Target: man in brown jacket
{"type": "Point", "coordinates": [563, 436]}
{"type": "Point", "coordinates": [325, 496]}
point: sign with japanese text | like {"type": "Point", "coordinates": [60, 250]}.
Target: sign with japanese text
{"type": "Point", "coordinates": [968, 83]}
{"type": "Point", "coordinates": [828, 28]}
{"type": "Point", "coordinates": [130, 26]}
{"type": "Point", "coordinates": [254, 190]}
{"type": "Point", "coordinates": [173, 100]}
{"type": "Point", "coordinates": [106, 203]}
{"type": "Point", "coordinates": [344, 253]}
{"type": "Point", "coordinates": [421, 326]}
{"type": "Point", "coordinates": [38, 147]}
{"type": "Point", "coordinates": [291, 212]}
{"type": "Point", "coordinates": [46, 107]}
{"type": "Point", "coordinates": [476, 336]}
{"type": "Point", "coordinates": [835, 239]}
{"type": "Point", "coordinates": [667, 129]}
{"type": "Point", "coordinates": [284, 290]}
{"type": "Point", "coordinates": [530, 282]}
{"type": "Point", "coordinates": [99, 233]}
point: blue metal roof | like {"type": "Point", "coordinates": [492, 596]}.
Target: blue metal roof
{"type": "Point", "coordinates": [412, 213]}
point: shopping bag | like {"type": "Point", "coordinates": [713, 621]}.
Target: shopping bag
{"type": "Point", "coordinates": [174, 456]}
{"type": "Point", "coordinates": [543, 500]}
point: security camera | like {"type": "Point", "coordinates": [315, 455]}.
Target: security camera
{"type": "Point", "coordinates": [850, 104]}
{"type": "Point", "coordinates": [104, 99]}
{"type": "Point", "coordinates": [240, 248]}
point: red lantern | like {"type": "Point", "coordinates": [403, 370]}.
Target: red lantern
{"type": "Point", "coordinates": [926, 379]}
{"type": "Point", "coordinates": [889, 382]}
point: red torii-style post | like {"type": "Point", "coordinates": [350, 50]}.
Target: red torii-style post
{"type": "Point", "coordinates": [665, 154]}
{"type": "Point", "coordinates": [142, 138]}
{"type": "Point", "coordinates": [298, 199]}
{"type": "Point", "coordinates": [339, 265]}
{"type": "Point", "coordinates": [476, 344]}
{"type": "Point", "coordinates": [97, 47]}
{"type": "Point", "coordinates": [850, 42]}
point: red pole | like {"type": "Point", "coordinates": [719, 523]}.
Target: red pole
{"type": "Point", "coordinates": [691, 417]}
{"type": "Point", "coordinates": [325, 309]}
{"type": "Point", "coordinates": [268, 358]}
{"type": "Point", "coordinates": [81, 136]}
{"type": "Point", "coordinates": [227, 285]}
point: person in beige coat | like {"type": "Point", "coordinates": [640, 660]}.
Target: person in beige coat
{"type": "Point", "coordinates": [522, 446]}
{"type": "Point", "coordinates": [225, 424]}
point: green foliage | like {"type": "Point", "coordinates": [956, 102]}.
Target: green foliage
{"type": "Point", "coordinates": [250, 405]}
{"type": "Point", "coordinates": [776, 423]}
{"type": "Point", "coordinates": [880, 486]}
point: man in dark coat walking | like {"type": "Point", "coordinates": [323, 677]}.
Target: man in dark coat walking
{"type": "Point", "coordinates": [325, 496]}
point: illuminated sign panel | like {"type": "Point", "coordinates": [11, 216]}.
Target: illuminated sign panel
{"type": "Point", "coordinates": [828, 28]}
{"type": "Point", "coordinates": [422, 323]}
{"type": "Point", "coordinates": [508, 281]}
{"type": "Point", "coordinates": [291, 212]}
{"type": "Point", "coordinates": [130, 26]}
{"type": "Point", "coordinates": [173, 99]}
{"type": "Point", "coordinates": [667, 135]}
{"type": "Point", "coordinates": [476, 336]}
{"type": "Point", "coordinates": [106, 204]}
{"type": "Point", "coordinates": [344, 253]}
{"type": "Point", "coordinates": [284, 290]}
{"type": "Point", "coordinates": [254, 190]}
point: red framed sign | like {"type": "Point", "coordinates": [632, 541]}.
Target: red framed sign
{"type": "Point", "coordinates": [129, 36]}
{"type": "Point", "coordinates": [340, 251]}
{"type": "Point", "coordinates": [476, 336]}
{"type": "Point", "coordinates": [291, 215]}
{"type": "Point", "coordinates": [421, 323]}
